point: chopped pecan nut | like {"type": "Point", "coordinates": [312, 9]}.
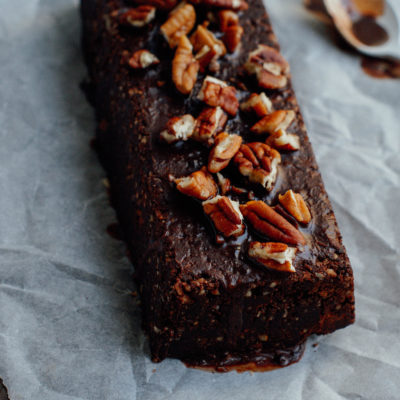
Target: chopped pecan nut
{"type": "Point", "coordinates": [215, 92]}
{"type": "Point", "coordinates": [199, 184]}
{"type": "Point", "coordinates": [296, 206]}
{"type": "Point", "coordinates": [206, 56]}
{"type": "Point", "coordinates": [226, 215]}
{"type": "Point", "coordinates": [141, 59]}
{"type": "Point", "coordinates": [178, 128]}
{"type": "Point", "coordinates": [211, 121]}
{"type": "Point", "coordinates": [226, 19]}
{"type": "Point", "coordinates": [136, 17]}
{"type": "Point", "coordinates": [269, 66]}
{"type": "Point", "coordinates": [224, 184]}
{"type": "Point", "coordinates": [273, 255]}
{"type": "Point", "coordinates": [282, 140]}
{"type": "Point", "coordinates": [259, 163]}
{"type": "Point", "coordinates": [269, 223]}
{"type": "Point", "coordinates": [232, 38]}
{"type": "Point", "coordinates": [278, 120]}
{"type": "Point", "coordinates": [184, 67]}
{"type": "Point", "coordinates": [180, 22]}
{"type": "Point", "coordinates": [260, 104]}
{"type": "Point", "coordinates": [228, 4]}
{"type": "Point", "coordinates": [233, 32]}
{"type": "Point", "coordinates": [225, 148]}
{"type": "Point", "coordinates": [206, 46]}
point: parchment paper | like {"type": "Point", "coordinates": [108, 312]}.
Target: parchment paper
{"type": "Point", "coordinates": [69, 327]}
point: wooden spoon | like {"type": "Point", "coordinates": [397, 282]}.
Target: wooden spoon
{"type": "Point", "coordinates": [374, 37]}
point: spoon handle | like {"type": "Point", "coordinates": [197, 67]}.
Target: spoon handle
{"type": "Point", "coordinates": [395, 6]}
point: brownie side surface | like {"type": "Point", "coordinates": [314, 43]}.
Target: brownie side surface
{"type": "Point", "coordinates": [203, 302]}
{"type": "Point", "coordinates": [3, 391]}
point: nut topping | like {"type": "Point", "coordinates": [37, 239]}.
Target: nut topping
{"type": "Point", "coordinates": [259, 162]}
{"type": "Point", "coordinates": [206, 46]}
{"type": "Point", "coordinates": [269, 66]}
{"type": "Point", "coordinates": [207, 57]}
{"type": "Point", "coordinates": [225, 147]}
{"type": "Point", "coordinates": [269, 223]}
{"type": "Point", "coordinates": [180, 22]}
{"type": "Point", "coordinates": [211, 121]}
{"type": "Point", "coordinates": [136, 17]}
{"type": "Point", "coordinates": [233, 32]}
{"type": "Point", "coordinates": [215, 92]}
{"type": "Point", "coordinates": [199, 184]}
{"type": "Point", "coordinates": [184, 67]}
{"type": "Point", "coordinates": [141, 59]}
{"type": "Point", "coordinates": [260, 104]}
{"type": "Point", "coordinates": [178, 128]}
{"type": "Point", "coordinates": [226, 19]}
{"type": "Point", "coordinates": [276, 256]}
{"type": "Point", "coordinates": [276, 124]}
{"type": "Point", "coordinates": [296, 206]}
{"type": "Point", "coordinates": [224, 184]}
{"type": "Point", "coordinates": [278, 120]}
{"type": "Point", "coordinates": [232, 38]}
{"type": "Point", "coordinates": [226, 215]}
{"type": "Point", "coordinates": [282, 140]}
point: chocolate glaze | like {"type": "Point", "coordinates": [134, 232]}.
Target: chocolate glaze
{"type": "Point", "coordinates": [369, 32]}
{"type": "Point", "coordinates": [260, 362]}
{"type": "Point", "coordinates": [380, 67]}
{"type": "Point", "coordinates": [200, 299]}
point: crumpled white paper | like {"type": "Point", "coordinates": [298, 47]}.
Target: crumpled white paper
{"type": "Point", "coordinates": [69, 328]}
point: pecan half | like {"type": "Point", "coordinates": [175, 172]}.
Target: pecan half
{"type": "Point", "coordinates": [141, 59]}
{"type": "Point", "coordinates": [269, 66]}
{"type": "Point", "coordinates": [226, 215]}
{"type": "Point", "coordinates": [184, 67]}
{"type": "Point", "coordinates": [178, 128]}
{"type": "Point", "coordinates": [136, 17]}
{"type": "Point", "coordinates": [180, 22]}
{"type": "Point", "coordinates": [260, 104]}
{"type": "Point", "coordinates": [282, 140]}
{"type": "Point", "coordinates": [259, 163]}
{"type": "Point", "coordinates": [296, 206]}
{"type": "Point", "coordinates": [273, 255]}
{"type": "Point", "coordinates": [278, 120]}
{"type": "Point", "coordinates": [225, 147]}
{"type": "Point", "coordinates": [224, 184]}
{"type": "Point", "coordinates": [269, 223]}
{"type": "Point", "coordinates": [210, 121]}
{"type": "Point", "coordinates": [199, 184]}
{"type": "Point", "coordinates": [229, 4]}
{"type": "Point", "coordinates": [233, 32]}
{"type": "Point", "coordinates": [215, 92]}
{"type": "Point", "coordinates": [206, 46]}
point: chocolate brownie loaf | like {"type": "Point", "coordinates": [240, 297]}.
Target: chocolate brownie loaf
{"type": "Point", "coordinates": [235, 245]}
{"type": "Point", "coordinates": [3, 391]}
